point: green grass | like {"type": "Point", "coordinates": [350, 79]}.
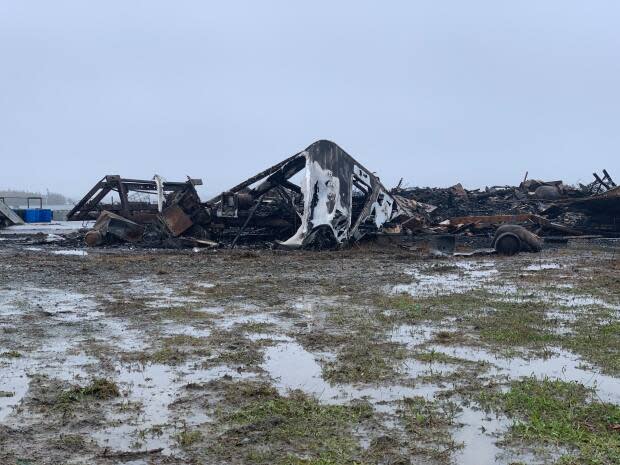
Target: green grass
{"type": "Point", "coordinates": [298, 429]}
{"type": "Point", "coordinates": [187, 438]}
{"type": "Point", "coordinates": [73, 442]}
{"type": "Point", "coordinates": [99, 388]}
{"type": "Point", "coordinates": [564, 414]}
{"type": "Point", "coordinates": [365, 360]}
{"type": "Point", "coordinates": [428, 425]}
{"type": "Point", "coordinates": [10, 354]}
{"type": "Point", "coordinates": [598, 341]}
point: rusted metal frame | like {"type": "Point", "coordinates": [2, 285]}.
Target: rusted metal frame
{"type": "Point", "coordinates": [78, 207]}
{"type": "Point", "coordinates": [122, 194]}
{"type": "Point", "coordinates": [83, 213]}
{"type": "Point", "coordinates": [257, 177]}
{"type": "Point", "coordinates": [138, 185]}
{"type": "Point", "coordinates": [251, 214]}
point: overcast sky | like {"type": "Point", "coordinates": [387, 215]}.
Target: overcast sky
{"type": "Point", "coordinates": [436, 92]}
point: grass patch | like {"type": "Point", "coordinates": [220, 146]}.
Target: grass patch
{"type": "Point", "coordinates": [597, 341]}
{"type": "Point", "coordinates": [434, 356]}
{"type": "Point", "coordinates": [232, 347]}
{"type": "Point", "coordinates": [187, 438]}
{"type": "Point", "coordinates": [169, 355]}
{"type": "Point", "coordinates": [565, 414]}
{"type": "Point", "coordinates": [297, 428]}
{"type": "Point", "coordinates": [10, 354]}
{"type": "Point", "coordinates": [403, 307]}
{"type": "Point", "coordinates": [364, 360]}
{"type": "Point", "coordinates": [99, 388]}
{"type": "Point", "coordinates": [72, 442]}
{"type": "Point", "coordinates": [428, 425]}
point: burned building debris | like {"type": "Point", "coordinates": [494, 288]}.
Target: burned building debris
{"type": "Point", "coordinates": [322, 197]}
{"type": "Point", "coordinates": [335, 201]}
{"type": "Point", "coordinates": [135, 209]}
{"type": "Point", "coordinates": [544, 207]}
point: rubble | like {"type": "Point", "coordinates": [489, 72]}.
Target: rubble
{"type": "Point", "coordinates": [322, 197]}
{"type": "Point", "coordinates": [545, 207]}
{"type": "Point", "coordinates": [337, 201]}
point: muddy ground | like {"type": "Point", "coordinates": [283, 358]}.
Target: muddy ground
{"type": "Point", "coordinates": [363, 356]}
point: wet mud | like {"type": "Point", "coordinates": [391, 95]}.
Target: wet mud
{"type": "Point", "coordinates": [228, 357]}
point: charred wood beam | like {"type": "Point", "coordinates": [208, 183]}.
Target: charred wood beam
{"type": "Point", "coordinates": [282, 175]}
{"type": "Point", "coordinates": [258, 202]}
{"type": "Point", "coordinates": [291, 186]}
{"type": "Point", "coordinates": [257, 177]}
{"type": "Point", "coordinates": [601, 182]}
{"type": "Point", "coordinates": [608, 178]}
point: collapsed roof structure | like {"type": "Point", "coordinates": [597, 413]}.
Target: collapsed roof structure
{"type": "Point", "coordinates": [322, 197]}
{"type": "Point", "coordinates": [336, 201]}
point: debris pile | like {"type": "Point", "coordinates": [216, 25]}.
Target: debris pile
{"type": "Point", "coordinates": [322, 197]}
{"type": "Point", "coordinates": [546, 207]}
{"type": "Point", "coordinates": [336, 201]}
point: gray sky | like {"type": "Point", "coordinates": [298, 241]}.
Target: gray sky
{"type": "Point", "coordinates": [436, 92]}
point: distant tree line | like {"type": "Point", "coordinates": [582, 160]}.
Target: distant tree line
{"type": "Point", "coordinates": [51, 198]}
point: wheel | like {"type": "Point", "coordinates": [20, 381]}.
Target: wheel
{"type": "Point", "coordinates": [508, 244]}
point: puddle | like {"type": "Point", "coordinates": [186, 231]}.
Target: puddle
{"type": "Point", "coordinates": [469, 276]}
{"type": "Point", "coordinates": [117, 332]}
{"type": "Point", "coordinates": [268, 337]}
{"type": "Point", "coordinates": [49, 361]}
{"type": "Point", "coordinates": [412, 335]}
{"type": "Point", "coordinates": [61, 305]}
{"type": "Point", "coordinates": [231, 321]}
{"type": "Point", "coordinates": [292, 367]}
{"type": "Point", "coordinates": [154, 387]}
{"type": "Point", "coordinates": [309, 305]}
{"type": "Point", "coordinates": [205, 285]}
{"type": "Point", "coordinates": [478, 433]}
{"type": "Point", "coordinates": [542, 266]}
{"type": "Point", "coordinates": [75, 252]}
{"type": "Point", "coordinates": [158, 294]}
{"type": "Point", "coordinates": [508, 294]}
{"type": "Point", "coordinates": [211, 310]}
{"type": "Point", "coordinates": [173, 328]}
{"type": "Point", "coordinates": [562, 365]}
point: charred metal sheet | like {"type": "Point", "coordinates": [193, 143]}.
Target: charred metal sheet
{"type": "Point", "coordinates": [176, 220]}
